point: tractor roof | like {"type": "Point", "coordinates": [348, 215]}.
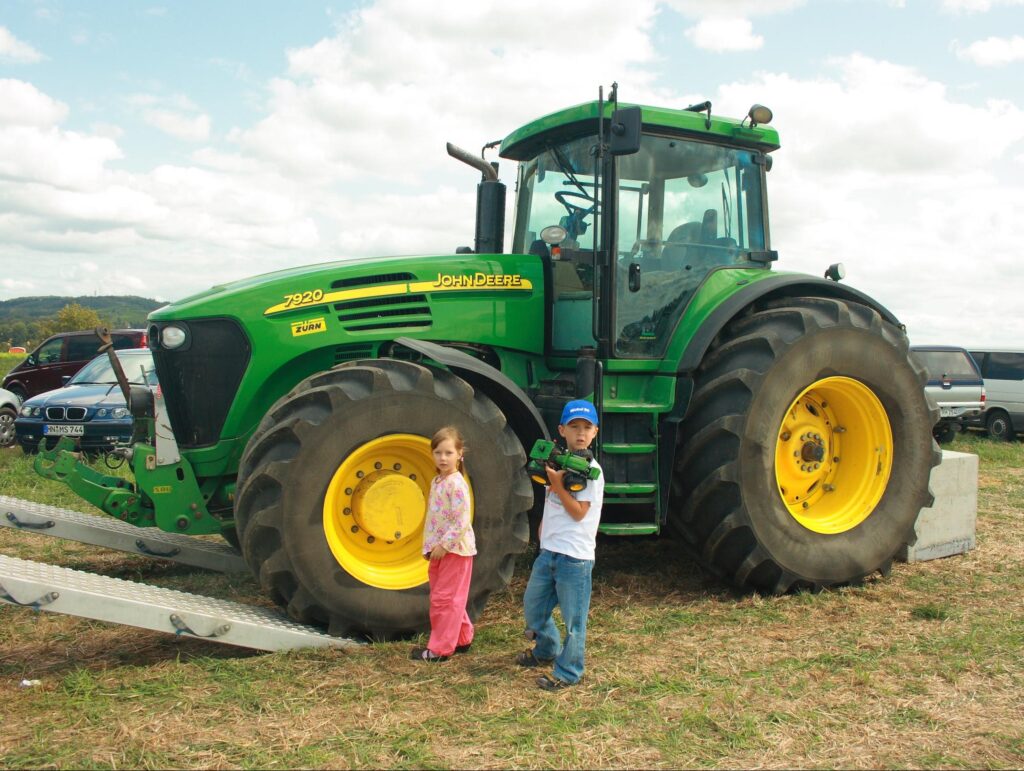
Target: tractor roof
{"type": "Point", "coordinates": [525, 142]}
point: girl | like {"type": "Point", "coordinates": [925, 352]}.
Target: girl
{"type": "Point", "coordinates": [449, 544]}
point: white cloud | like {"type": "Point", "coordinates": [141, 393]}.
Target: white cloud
{"type": "Point", "coordinates": [190, 128]}
{"type": "Point", "coordinates": [22, 104]}
{"type": "Point", "coordinates": [15, 50]}
{"type": "Point", "coordinates": [735, 8]}
{"type": "Point", "coordinates": [882, 169]}
{"type": "Point", "coordinates": [724, 34]}
{"type": "Point", "coordinates": [992, 51]}
{"type": "Point", "coordinates": [976, 6]}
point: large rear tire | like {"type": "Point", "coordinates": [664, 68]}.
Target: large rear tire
{"type": "Point", "coordinates": [806, 452]}
{"type": "Point", "coordinates": [332, 491]}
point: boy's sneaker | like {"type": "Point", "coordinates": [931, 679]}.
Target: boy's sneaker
{"type": "Point", "coordinates": [527, 659]}
{"type": "Point", "coordinates": [548, 683]}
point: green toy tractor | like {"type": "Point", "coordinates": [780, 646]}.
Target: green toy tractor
{"type": "Point", "coordinates": [773, 422]}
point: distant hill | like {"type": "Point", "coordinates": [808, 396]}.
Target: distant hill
{"type": "Point", "coordinates": [124, 310]}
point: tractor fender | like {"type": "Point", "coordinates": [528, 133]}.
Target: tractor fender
{"type": "Point", "coordinates": [780, 285]}
{"type": "Point", "coordinates": [523, 417]}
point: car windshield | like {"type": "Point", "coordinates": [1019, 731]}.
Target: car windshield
{"type": "Point", "coordinates": [100, 370]}
{"type": "Point", "coordinates": [946, 364]}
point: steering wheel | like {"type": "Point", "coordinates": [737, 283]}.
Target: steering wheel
{"type": "Point", "coordinates": [572, 208]}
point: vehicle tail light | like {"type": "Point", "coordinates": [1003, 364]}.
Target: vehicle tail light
{"type": "Point", "coordinates": [983, 396]}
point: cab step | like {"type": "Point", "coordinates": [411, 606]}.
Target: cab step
{"type": "Point", "coordinates": [40, 586]}
{"type": "Point", "coordinates": [103, 530]}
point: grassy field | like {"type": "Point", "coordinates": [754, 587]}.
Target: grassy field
{"type": "Point", "coordinates": [919, 670]}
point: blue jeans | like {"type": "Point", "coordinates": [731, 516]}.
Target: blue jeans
{"type": "Point", "coordinates": [558, 579]}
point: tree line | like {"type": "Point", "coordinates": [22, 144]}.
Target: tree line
{"type": "Point", "coordinates": [72, 317]}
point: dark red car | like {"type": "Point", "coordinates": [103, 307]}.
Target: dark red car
{"type": "Point", "coordinates": [61, 356]}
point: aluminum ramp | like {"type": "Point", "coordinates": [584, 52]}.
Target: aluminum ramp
{"type": "Point", "coordinates": [104, 530]}
{"type": "Point", "coordinates": [40, 586]}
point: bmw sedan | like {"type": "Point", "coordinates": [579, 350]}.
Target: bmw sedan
{"type": "Point", "coordinates": [90, 408]}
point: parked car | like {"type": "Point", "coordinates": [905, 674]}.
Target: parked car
{"type": "Point", "coordinates": [16, 349]}
{"type": "Point", "coordinates": [955, 383]}
{"type": "Point", "coordinates": [9, 406]}
{"type": "Point", "coordinates": [1003, 371]}
{"type": "Point", "coordinates": [90, 408]}
{"type": "Point", "coordinates": [61, 356]}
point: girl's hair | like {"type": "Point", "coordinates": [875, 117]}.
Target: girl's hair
{"type": "Point", "coordinates": [450, 432]}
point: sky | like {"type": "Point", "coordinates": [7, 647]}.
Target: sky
{"type": "Point", "coordinates": [159, 149]}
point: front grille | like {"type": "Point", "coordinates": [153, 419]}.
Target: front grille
{"type": "Point", "coordinates": [76, 413]}
{"type": "Point", "coordinates": [199, 382]}
{"type": "Point", "coordinates": [55, 413]}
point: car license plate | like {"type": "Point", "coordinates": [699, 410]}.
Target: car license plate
{"type": "Point", "coordinates": [946, 412]}
{"type": "Point", "coordinates": [63, 430]}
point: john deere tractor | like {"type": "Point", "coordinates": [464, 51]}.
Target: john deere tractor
{"type": "Point", "coordinates": [774, 422]}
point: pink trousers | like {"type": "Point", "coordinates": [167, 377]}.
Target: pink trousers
{"type": "Point", "coordinates": [449, 588]}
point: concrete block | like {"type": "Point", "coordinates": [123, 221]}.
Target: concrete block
{"type": "Point", "coordinates": [947, 526]}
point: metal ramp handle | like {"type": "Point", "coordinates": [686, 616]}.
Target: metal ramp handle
{"type": "Point", "coordinates": [103, 530]}
{"type": "Point", "coordinates": [40, 586]}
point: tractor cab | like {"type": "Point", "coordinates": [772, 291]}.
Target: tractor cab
{"type": "Point", "coordinates": [638, 230]}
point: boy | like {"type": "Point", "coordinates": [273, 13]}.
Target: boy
{"type": "Point", "coordinates": [561, 573]}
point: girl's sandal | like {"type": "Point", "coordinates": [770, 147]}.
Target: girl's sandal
{"type": "Point", "coordinates": [425, 654]}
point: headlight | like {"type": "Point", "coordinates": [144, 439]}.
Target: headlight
{"type": "Point", "coordinates": [26, 411]}
{"type": "Point", "coordinates": [118, 412]}
{"type": "Point", "coordinates": [172, 337]}
{"type": "Point", "coordinates": [101, 412]}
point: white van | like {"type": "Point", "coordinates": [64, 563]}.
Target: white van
{"type": "Point", "coordinates": [1003, 371]}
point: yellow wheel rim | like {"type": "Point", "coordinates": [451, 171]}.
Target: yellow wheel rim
{"type": "Point", "coordinates": [834, 455]}
{"type": "Point", "coordinates": [374, 511]}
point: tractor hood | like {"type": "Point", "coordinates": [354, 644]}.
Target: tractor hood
{"type": "Point", "coordinates": [225, 355]}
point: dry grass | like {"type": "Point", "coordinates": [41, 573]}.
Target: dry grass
{"type": "Point", "coordinates": [919, 670]}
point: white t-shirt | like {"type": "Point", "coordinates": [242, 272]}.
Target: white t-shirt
{"type": "Point", "coordinates": [563, 534]}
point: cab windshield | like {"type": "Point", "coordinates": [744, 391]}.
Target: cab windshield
{"type": "Point", "coordinates": [682, 208]}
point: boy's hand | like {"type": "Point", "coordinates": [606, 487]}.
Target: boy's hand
{"type": "Point", "coordinates": [555, 477]}
{"type": "Point", "coordinates": [437, 553]}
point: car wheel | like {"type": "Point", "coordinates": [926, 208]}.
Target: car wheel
{"type": "Point", "coordinates": [998, 426]}
{"type": "Point", "coordinates": [944, 433]}
{"type": "Point", "coordinates": [7, 418]}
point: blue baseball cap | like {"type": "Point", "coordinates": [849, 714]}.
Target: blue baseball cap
{"type": "Point", "coordinates": [579, 408]}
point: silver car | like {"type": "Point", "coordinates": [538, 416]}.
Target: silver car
{"type": "Point", "coordinates": [9, 406]}
{"type": "Point", "coordinates": [955, 383]}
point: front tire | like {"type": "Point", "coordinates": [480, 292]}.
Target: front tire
{"type": "Point", "coordinates": [806, 452]}
{"type": "Point", "coordinates": [332, 490]}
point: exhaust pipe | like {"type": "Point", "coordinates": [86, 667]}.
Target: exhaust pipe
{"type": "Point", "coordinates": [490, 203]}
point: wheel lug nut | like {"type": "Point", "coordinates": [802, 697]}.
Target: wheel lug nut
{"type": "Point", "coordinates": [348, 491]}
{"type": "Point", "coordinates": [378, 465]}
{"type": "Point", "coordinates": [370, 539]}
{"type": "Point", "coordinates": [355, 528]}
{"type": "Point", "coordinates": [347, 511]}
{"type": "Point", "coordinates": [785, 436]}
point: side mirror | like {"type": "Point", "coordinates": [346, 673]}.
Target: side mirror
{"type": "Point", "coordinates": [64, 379]}
{"type": "Point", "coordinates": [634, 277]}
{"type": "Point", "coordinates": [625, 131]}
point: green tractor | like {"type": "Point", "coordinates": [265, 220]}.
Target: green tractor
{"type": "Point", "coordinates": [774, 422]}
